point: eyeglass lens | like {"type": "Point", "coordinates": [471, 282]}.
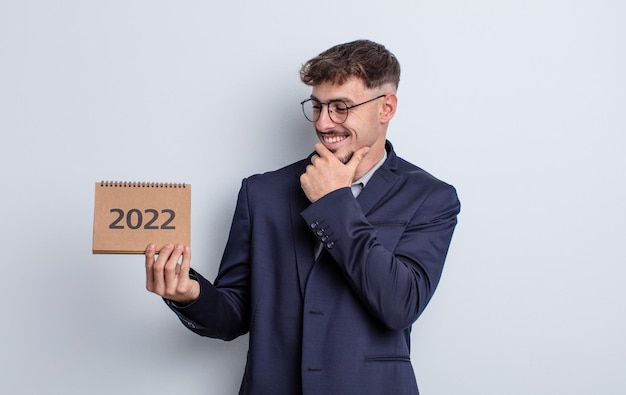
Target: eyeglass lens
{"type": "Point", "coordinates": [337, 110]}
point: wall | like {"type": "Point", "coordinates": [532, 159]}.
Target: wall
{"type": "Point", "coordinates": [519, 104]}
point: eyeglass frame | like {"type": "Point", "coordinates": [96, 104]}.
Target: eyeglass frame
{"type": "Point", "coordinates": [348, 108]}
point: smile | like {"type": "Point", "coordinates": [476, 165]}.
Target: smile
{"type": "Point", "coordinates": [332, 138]}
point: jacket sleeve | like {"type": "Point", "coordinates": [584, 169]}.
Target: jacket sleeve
{"type": "Point", "coordinates": [221, 310]}
{"type": "Point", "coordinates": [395, 285]}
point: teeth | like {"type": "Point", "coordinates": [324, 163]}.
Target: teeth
{"type": "Point", "coordinates": [334, 139]}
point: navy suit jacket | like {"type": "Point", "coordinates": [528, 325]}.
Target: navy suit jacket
{"type": "Point", "coordinates": [339, 324]}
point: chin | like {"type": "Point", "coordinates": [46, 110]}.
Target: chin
{"type": "Point", "coordinates": [345, 158]}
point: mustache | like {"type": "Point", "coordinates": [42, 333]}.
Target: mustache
{"type": "Point", "coordinates": [330, 132]}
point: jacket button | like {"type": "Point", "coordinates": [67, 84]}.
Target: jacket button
{"type": "Point", "coordinates": [314, 225]}
{"type": "Point", "coordinates": [330, 244]}
{"type": "Point", "coordinates": [189, 324]}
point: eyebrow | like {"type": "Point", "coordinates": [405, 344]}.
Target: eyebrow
{"type": "Point", "coordinates": [343, 99]}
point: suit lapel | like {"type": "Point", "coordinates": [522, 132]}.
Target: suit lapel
{"type": "Point", "coordinates": [380, 183]}
{"type": "Point", "coordinates": [375, 189]}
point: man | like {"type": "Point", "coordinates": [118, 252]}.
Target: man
{"type": "Point", "coordinates": [329, 260]}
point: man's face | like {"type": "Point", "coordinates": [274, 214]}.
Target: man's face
{"type": "Point", "coordinates": [362, 128]}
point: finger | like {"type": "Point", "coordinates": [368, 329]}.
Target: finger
{"type": "Point", "coordinates": [186, 263]}
{"type": "Point", "coordinates": [358, 157]}
{"type": "Point", "coordinates": [184, 267]}
{"type": "Point", "coordinates": [149, 263]}
{"type": "Point", "coordinates": [158, 269]}
{"type": "Point", "coordinates": [171, 269]}
{"type": "Point", "coordinates": [322, 151]}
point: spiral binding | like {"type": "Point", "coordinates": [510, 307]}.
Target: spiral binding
{"type": "Point", "coordinates": [133, 184]}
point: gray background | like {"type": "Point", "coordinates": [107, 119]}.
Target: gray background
{"type": "Point", "coordinates": [519, 104]}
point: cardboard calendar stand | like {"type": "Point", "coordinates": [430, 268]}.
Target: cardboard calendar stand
{"type": "Point", "coordinates": [130, 215]}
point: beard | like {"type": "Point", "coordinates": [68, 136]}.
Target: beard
{"type": "Point", "coordinates": [346, 158]}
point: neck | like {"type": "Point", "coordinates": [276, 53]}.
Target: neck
{"type": "Point", "coordinates": [370, 160]}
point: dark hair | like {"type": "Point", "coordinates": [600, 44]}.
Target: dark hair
{"type": "Point", "coordinates": [364, 59]}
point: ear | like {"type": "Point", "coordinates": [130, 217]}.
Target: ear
{"type": "Point", "coordinates": [388, 110]}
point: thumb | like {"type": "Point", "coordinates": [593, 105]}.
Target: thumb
{"type": "Point", "coordinates": [358, 156]}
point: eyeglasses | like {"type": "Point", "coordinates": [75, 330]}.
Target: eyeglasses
{"type": "Point", "coordinates": [337, 109]}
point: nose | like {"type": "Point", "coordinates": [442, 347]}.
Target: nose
{"type": "Point", "coordinates": [324, 122]}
